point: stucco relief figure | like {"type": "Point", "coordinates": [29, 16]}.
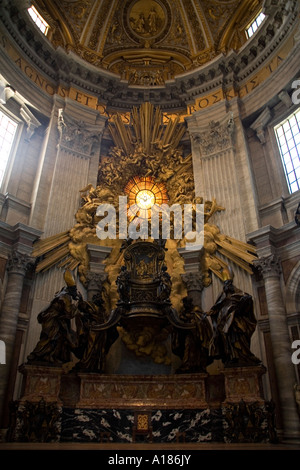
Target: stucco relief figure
{"type": "Point", "coordinates": [152, 20]}
{"type": "Point", "coordinates": [139, 26]}
{"type": "Point", "coordinates": [147, 18]}
{"type": "Point", "coordinates": [57, 339]}
{"type": "Point", "coordinates": [233, 325]}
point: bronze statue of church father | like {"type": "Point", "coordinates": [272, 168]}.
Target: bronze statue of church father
{"type": "Point", "coordinates": [130, 358]}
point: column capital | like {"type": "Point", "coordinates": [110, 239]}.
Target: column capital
{"type": "Point", "coordinates": [78, 137]}
{"type": "Point", "coordinates": [19, 263]}
{"type": "Point", "coordinates": [215, 137]}
{"type": "Point", "coordinates": [193, 281]}
{"type": "Point", "coordinates": [269, 266]}
{"type": "Point", "coordinates": [95, 280]}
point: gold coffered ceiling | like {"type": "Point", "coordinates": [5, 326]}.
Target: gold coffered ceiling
{"type": "Point", "coordinates": [148, 41]}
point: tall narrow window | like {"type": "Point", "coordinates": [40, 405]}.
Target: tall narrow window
{"type": "Point", "coordinates": [288, 138]}
{"type": "Point", "coordinates": [8, 129]}
{"type": "Point", "coordinates": [255, 24]}
{"type": "Point", "coordinates": [38, 20]}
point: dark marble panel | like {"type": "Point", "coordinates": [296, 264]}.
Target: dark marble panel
{"type": "Point", "coordinates": [235, 422]}
{"type": "Point", "coordinates": [85, 425]}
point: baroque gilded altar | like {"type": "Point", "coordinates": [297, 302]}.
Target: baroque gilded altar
{"type": "Point", "coordinates": [142, 307]}
{"type": "Point", "coordinates": [59, 392]}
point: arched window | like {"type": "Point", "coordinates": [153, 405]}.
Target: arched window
{"type": "Point", "coordinates": [8, 129]}
{"type": "Point", "coordinates": [2, 353]}
{"type": "Point", "coordinates": [255, 24]}
{"type": "Point", "coordinates": [38, 20]}
{"type": "Point", "coordinates": [288, 139]}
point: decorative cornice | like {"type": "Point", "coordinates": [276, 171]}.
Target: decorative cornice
{"type": "Point", "coordinates": [31, 121]}
{"type": "Point", "coordinates": [224, 72]}
{"type": "Point", "coordinates": [263, 325]}
{"type": "Point", "coordinates": [284, 241]}
{"type": "Point", "coordinates": [19, 237]}
{"type": "Point", "coordinates": [260, 124]}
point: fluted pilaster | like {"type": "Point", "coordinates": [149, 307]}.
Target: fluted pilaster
{"type": "Point", "coordinates": [270, 268]}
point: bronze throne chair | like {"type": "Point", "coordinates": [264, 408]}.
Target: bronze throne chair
{"type": "Point", "coordinates": [144, 285]}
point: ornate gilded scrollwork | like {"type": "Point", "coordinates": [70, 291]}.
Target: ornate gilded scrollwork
{"type": "Point", "coordinates": [145, 150]}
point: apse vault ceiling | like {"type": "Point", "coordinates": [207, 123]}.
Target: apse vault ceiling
{"type": "Point", "coordinates": [147, 42]}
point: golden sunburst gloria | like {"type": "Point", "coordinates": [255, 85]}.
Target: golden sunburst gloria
{"type": "Point", "coordinates": [143, 193]}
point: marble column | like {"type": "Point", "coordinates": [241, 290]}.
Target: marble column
{"type": "Point", "coordinates": [96, 276]}
{"type": "Point", "coordinates": [17, 265]}
{"type": "Point", "coordinates": [269, 267]}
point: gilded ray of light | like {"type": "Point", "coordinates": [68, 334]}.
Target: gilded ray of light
{"type": "Point", "coordinates": [146, 156]}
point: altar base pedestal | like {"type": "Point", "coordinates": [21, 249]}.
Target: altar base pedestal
{"type": "Point", "coordinates": [125, 391]}
{"type": "Point", "coordinates": [244, 384]}
{"type": "Point", "coordinates": [41, 382]}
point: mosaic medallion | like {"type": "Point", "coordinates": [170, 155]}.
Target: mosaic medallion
{"type": "Point", "coordinates": [147, 19]}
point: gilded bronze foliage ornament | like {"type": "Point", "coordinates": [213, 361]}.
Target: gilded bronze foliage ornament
{"type": "Point", "coordinates": [146, 156]}
{"type": "Point", "coordinates": [249, 422]}
{"type": "Point", "coordinates": [147, 165]}
{"type": "Point", "coordinates": [36, 422]}
{"type": "Point", "coordinates": [148, 41]}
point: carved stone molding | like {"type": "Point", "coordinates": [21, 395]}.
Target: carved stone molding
{"type": "Point", "coordinates": [76, 137]}
{"type": "Point", "coordinates": [97, 255]}
{"type": "Point", "coordinates": [216, 138]}
{"type": "Point", "coordinates": [31, 121]}
{"type": "Point", "coordinates": [260, 124]}
{"type": "Point", "coordinates": [269, 266]}
{"type": "Point", "coordinates": [194, 285]}
{"type": "Point", "coordinates": [19, 263]}
{"type": "Point", "coordinates": [55, 63]}
{"type": "Point", "coordinates": [272, 6]}
{"type": "Point", "coordinates": [285, 98]}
